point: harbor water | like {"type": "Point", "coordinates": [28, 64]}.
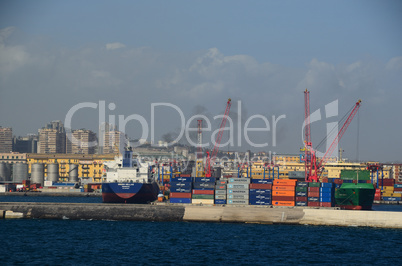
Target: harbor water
{"type": "Point", "coordinates": [32, 241]}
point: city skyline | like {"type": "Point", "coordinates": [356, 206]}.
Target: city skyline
{"type": "Point", "coordinates": [196, 55]}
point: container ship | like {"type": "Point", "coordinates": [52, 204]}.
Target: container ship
{"type": "Point", "coordinates": [129, 180]}
{"type": "Point", "coordinates": [355, 196]}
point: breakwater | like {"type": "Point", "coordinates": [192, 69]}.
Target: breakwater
{"type": "Point", "coordinates": [198, 213]}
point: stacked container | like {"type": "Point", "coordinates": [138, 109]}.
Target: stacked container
{"type": "Point", "coordinates": [284, 192]}
{"type": "Point", "coordinates": [238, 191]}
{"type": "Point", "coordinates": [327, 194]}
{"type": "Point", "coordinates": [377, 195]}
{"type": "Point", "coordinates": [180, 189]}
{"type": "Point", "coordinates": [220, 192]}
{"type": "Point", "coordinates": [203, 190]}
{"type": "Point", "coordinates": [260, 192]}
{"type": "Point", "coordinates": [313, 194]}
{"type": "Point", "coordinates": [301, 193]}
{"type": "Point", "coordinates": [388, 189]}
{"type": "Point", "coordinates": [398, 189]}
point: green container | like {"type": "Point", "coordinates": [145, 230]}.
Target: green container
{"type": "Point", "coordinates": [301, 189]}
{"type": "Point", "coordinates": [198, 196]}
{"type": "Point", "coordinates": [314, 184]}
{"type": "Point", "coordinates": [355, 175]}
{"type": "Point", "coordinates": [355, 196]}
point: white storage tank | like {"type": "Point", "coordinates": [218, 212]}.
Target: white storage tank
{"type": "Point", "coordinates": [5, 172]}
{"type": "Point", "coordinates": [73, 173]}
{"type": "Point", "coordinates": [53, 172]}
{"type": "Point", "coordinates": [38, 173]}
{"type": "Point", "coordinates": [20, 172]}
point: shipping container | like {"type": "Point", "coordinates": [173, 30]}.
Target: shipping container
{"type": "Point", "coordinates": [326, 190]}
{"type": "Point", "coordinates": [326, 204]}
{"type": "Point", "coordinates": [181, 179]}
{"type": "Point", "coordinates": [327, 185]}
{"type": "Point", "coordinates": [238, 186]}
{"type": "Point", "coordinates": [220, 197]}
{"type": "Point", "coordinates": [205, 179]}
{"type": "Point", "coordinates": [314, 199]}
{"type": "Point", "coordinates": [314, 189]}
{"type": "Point", "coordinates": [220, 201]}
{"type": "Point", "coordinates": [199, 196]}
{"type": "Point", "coordinates": [260, 186]}
{"type": "Point", "coordinates": [203, 191]}
{"type": "Point", "coordinates": [239, 180]}
{"type": "Point", "coordinates": [283, 203]}
{"type": "Point", "coordinates": [313, 204]}
{"type": "Point", "coordinates": [260, 191]}
{"type": "Point", "coordinates": [326, 195]}
{"type": "Point", "coordinates": [283, 198]}
{"type": "Point", "coordinates": [180, 200]}
{"type": "Point", "coordinates": [221, 187]}
{"type": "Point", "coordinates": [260, 202]}
{"type": "Point", "coordinates": [204, 185]}
{"type": "Point", "coordinates": [391, 198]}
{"type": "Point", "coordinates": [180, 195]}
{"type": "Point", "coordinates": [301, 194]}
{"type": "Point", "coordinates": [285, 182]}
{"type": "Point", "coordinates": [283, 188]}
{"type": "Point", "coordinates": [220, 192]}
{"type": "Point", "coordinates": [237, 196]}
{"type": "Point", "coordinates": [262, 181]}
{"type": "Point", "coordinates": [301, 189]}
{"type": "Point", "coordinates": [180, 189]}
{"type": "Point", "coordinates": [283, 193]}
{"type": "Point", "coordinates": [301, 198]}
{"type": "Point", "coordinates": [325, 199]}
{"type": "Point", "coordinates": [236, 201]}
{"type": "Point", "coordinates": [302, 184]}
{"type": "Point", "coordinates": [181, 185]}
{"type": "Point", "coordinates": [237, 191]}
{"type": "Point", "coordinates": [314, 184]}
{"type": "Point", "coordinates": [203, 201]}
{"type": "Point", "coordinates": [221, 182]}
{"type": "Point", "coordinates": [301, 203]}
{"type": "Point", "coordinates": [313, 194]}
{"type": "Point", "coordinates": [260, 196]}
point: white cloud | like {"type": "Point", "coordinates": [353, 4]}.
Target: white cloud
{"type": "Point", "coordinates": [395, 63]}
{"type": "Point", "coordinates": [114, 46]}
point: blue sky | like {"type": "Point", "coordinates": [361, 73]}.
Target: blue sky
{"type": "Point", "coordinates": [196, 54]}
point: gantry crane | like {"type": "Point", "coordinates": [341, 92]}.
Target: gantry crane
{"type": "Point", "coordinates": [212, 156]}
{"type": "Point", "coordinates": [312, 170]}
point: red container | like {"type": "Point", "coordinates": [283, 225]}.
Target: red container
{"type": "Point", "coordinates": [313, 194]}
{"type": "Point", "coordinates": [314, 189]}
{"type": "Point", "coordinates": [301, 198]}
{"type": "Point", "coordinates": [325, 204]}
{"type": "Point", "coordinates": [313, 204]}
{"type": "Point", "coordinates": [203, 192]}
{"type": "Point", "coordinates": [398, 189]}
{"type": "Point", "coordinates": [221, 187]}
{"type": "Point", "coordinates": [180, 195]}
{"type": "Point", "coordinates": [285, 188]}
{"type": "Point", "coordinates": [185, 175]}
{"type": "Point", "coordinates": [338, 181]}
{"type": "Point", "coordinates": [260, 186]}
{"type": "Point", "coordinates": [283, 198]}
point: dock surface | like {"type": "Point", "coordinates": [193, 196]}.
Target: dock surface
{"type": "Point", "coordinates": [199, 213]}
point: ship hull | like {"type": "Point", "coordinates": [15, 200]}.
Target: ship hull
{"type": "Point", "coordinates": [358, 196]}
{"type": "Point", "coordinates": [139, 193]}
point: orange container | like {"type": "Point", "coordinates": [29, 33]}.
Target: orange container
{"type": "Point", "coordinates": [284, 188]}
{"type": "Point", "coordinates": [283, 203]}
{"type": "Point", "coordinates": [283, 193]}
{"type": "Point", "coordinates": [260, 186]}
{"type": "Point", "coordinates": [285, 182]}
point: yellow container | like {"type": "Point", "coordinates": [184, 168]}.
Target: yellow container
{"type": "Point", "coordinates": [388, 188]}
{"type": "Point", "coordinates": [203, 201]}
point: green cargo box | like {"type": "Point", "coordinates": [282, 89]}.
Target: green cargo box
{"type": "Point", "coordinates": [197, 196]}
{"type": "Point", "coordinates": [355, 174]}
{"type": "Point", "coordinates": [301, 189]}
{"type": "Point", "coordinates": [314, 184]}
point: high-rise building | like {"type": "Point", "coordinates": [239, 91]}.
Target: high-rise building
{"type": "Point", "coordinates": [28, 144]}
{"type": "Point", "coordinates": [52, 138]}
{"type": "Point", "coordinates": [6, 139]}
{"type": "Point", "coordinates": [114, 142]}
{"type": "Point", "coordinates": [82, 142]}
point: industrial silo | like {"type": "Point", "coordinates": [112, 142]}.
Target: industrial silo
{"type": "Point", "coordinates": [53, 172]}
{"type": "Point", "coordinates": [20, 172]}
{"type": "Point", "coordinates": [73, 173]}
{"type": "Point", "coordinates": [37, 173]}
{"type": "Point", "coordinates": [5, 172]}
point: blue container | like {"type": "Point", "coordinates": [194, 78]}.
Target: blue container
{"type": "Point", "coordinates": [326, 195]}
{"type": "Point", "coordinates": [301, 194]}
{"type": "Point", "coordinates": [313, 199]}
{"type": "Point", "coordinates": [327, 185]}
{"type": "Point", "coordinates": [220, 201]}
{"type": "Point", "coordinates": [326, 189]}
{"type": "Point", "coordinates": [182, 185]}
{"type": "Point", "coordinates": [205, 179]}
{"type": "Point", "coordinates": [179, 179]}
{"type": "Point", "coordinates": [260, 191]}
{"type": "Point", "coordinates": [331, 180]}
{"type": "Point", "coordinates": [261, 181]}
{"type": "Point", "coordinates": [301, 203]}
{"type": "Point", "coordinates": [398, 186]}
{"type": "Point", "coordinates": [201, 185]}
{"type": "Point", "coordinates": [180, 189]}
{"type": "Point", "coordinates": [347, 181]}
{"type": "Point", "coordinates": [260, 202]}
{"type": "Point", "coordinates": [180, 200]}
{"type": "Point", "coordinates": [302, 184]}
{"type": "Point", "coordinates": [325, 199]}
{"type": "Point", "coordinates": [259, 196]}
{"type": "Point", "coordinates": [391, 198]}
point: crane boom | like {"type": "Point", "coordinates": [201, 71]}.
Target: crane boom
{"type": "Point", "coordinates": [214, 152]}
{"type": "Point", "coordinates": [339, 136]}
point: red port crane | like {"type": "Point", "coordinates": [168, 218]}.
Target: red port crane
{"type": "Point", "coordinates": [312, 171]}
{"type": "Point", "coordinates": [214, 153]}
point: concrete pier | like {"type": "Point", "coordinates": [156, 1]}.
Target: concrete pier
{"type": "Point", "coordinates": [224, 213]}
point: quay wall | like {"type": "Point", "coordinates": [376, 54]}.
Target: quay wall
{"type": "Point", "coordinates": [197, 213]}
